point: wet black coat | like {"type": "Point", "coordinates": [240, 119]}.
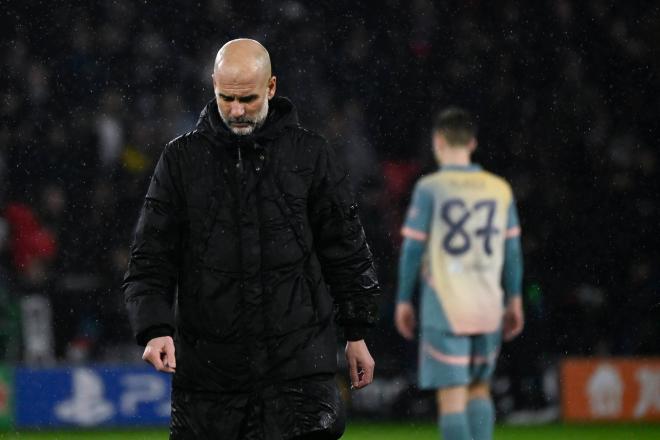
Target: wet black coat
{"type": "Point", "coordinates": [247, 246]}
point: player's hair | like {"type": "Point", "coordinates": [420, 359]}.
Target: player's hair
{"type": "Point", "coordinates": [457, 125]}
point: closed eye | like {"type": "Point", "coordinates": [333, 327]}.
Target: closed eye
{"type": "Point", "coordinates": [247, 99]}
{"type": "Point", "coordinates": [242, 99]}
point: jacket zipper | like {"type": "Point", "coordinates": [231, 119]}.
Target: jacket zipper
{"type": "Point", "coordinates": [239, 198]}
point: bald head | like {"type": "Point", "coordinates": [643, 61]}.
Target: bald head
{"type": "Point", "coordinates": [243, 84]}
{"type": "Point", "coordinates": [242, 57]}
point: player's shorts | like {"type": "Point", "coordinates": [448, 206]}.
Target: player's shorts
{"type": "Point", "coordinates": [447, 360]}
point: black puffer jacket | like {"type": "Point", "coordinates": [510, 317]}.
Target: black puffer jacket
{"type": "Point", "coordinates": [252, 242]}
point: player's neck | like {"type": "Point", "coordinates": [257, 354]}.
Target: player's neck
{"type": "Point", "coordinates": [457, 160]}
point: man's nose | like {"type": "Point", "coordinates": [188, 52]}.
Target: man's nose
{"type": "Point", "coordinates": [236, 110]}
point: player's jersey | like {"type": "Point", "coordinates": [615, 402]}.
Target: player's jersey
{"type": "Point", "coordinates": [465, 215]}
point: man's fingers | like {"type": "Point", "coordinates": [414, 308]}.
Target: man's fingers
{"type": "Point", "coordinates": [167, 369]}
{"type": "Point", "coordinates": [368, 375]}
{"type": "Point", "coordinates": [512, 333]}
{"type": "Point", "coordinates": [405, 324]}
{"type": "Point", "coordinates": [509, 325]}
{"type": "Point", "coordinates": [352, 369]}
{"type": "Point", "coordinates": [152, 356]}
{"type": "Point", "coordinates": [159, 359]}
{"type": "Point", "coordinates": [409, 328]}
{"type": "Point", "coordinates": [170, 358]}
{"type": "Point", "coordinates": [518, 327]}
{"type": "Point", "coordinates": [513, 326]}
{"type": "Point", "coordinates": [360, 363]}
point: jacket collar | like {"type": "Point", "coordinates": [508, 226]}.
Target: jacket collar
{"type": "Point", "coordinates": [281, 114]}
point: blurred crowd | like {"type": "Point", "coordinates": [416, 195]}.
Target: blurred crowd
{"type": "Point", "coordinates": [566, 95]}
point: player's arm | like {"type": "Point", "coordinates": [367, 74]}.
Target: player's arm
{"type": "Point", "coordinates": [512, 275]}
{"type": "Point", "coordinates": [150, 281]}
{"type": "Point", "coordinates": [415, 235]}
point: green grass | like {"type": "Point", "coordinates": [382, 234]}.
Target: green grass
{"type": "Point", "coordinates": [391, 431]}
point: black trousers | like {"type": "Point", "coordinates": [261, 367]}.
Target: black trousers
{"type": "Point", "coordinates": [308, 408]}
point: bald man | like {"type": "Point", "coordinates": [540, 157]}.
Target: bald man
{"type": "Point", "coordinates": [247, 252]}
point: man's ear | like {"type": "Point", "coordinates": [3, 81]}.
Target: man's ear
{"type": "Point", "coordinates": [436, 140]}
{"type": "Point", "coordinates": [437, 150]}
{"type": "Point", "coordinates": [272, 86]}
{"type": "Point", "coordinates": [473, 145]}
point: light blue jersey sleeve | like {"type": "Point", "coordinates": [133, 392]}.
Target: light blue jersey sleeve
{"type": "Point", "coordinates": [415, 232]}
{"type": "Point", "coordinates": [512, 272]}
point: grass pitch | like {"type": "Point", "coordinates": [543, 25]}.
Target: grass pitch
{"type": "Point", "coordinates": [390, 431]}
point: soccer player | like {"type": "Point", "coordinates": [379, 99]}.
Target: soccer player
{"type": "Point", "coordinates": [461, 234]}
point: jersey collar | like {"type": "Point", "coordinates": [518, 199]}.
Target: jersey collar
{"type": "Point", "coordinates": [468, 168]}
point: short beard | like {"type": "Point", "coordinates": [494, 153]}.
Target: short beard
{"type": "Point", "coordinates": [254, 124]}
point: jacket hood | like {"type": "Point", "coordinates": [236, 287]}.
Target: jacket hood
{"type": "Point", "coordinates": [281, 114]}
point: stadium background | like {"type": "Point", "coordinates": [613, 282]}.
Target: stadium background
{"type": "Point", "coordinates": [566, 94]}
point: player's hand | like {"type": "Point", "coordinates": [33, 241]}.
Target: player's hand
{"type": "Point", "coordinates": [159, 352]}
{"type": "Point", "coordinates": [404, 320]}
{"type": "Point", "coordinates": [514, 319]}
{"type": "Point", "coordinates": [360, 364]}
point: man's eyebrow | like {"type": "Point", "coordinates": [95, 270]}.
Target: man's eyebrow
{"type": "Point", "coordinates": [246, 98]}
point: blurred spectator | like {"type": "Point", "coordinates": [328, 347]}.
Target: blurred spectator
{"type": "Point", "coordinates": [32, 246]}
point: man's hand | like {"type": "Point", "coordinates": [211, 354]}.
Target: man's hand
{"type": "Point", "coordinates": [360, 364]}
{"type": "Point", "coordinates": [404, 319]}
{"type": "Point", "coordinates": [159, 352]}
{"type": "Point", "coordinates": [514, 319]}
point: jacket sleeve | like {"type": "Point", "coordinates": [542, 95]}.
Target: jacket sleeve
{"type": "Point", "coordinates": [341, 245]}
{"type": "Point", "coordinates": [150, 281]}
